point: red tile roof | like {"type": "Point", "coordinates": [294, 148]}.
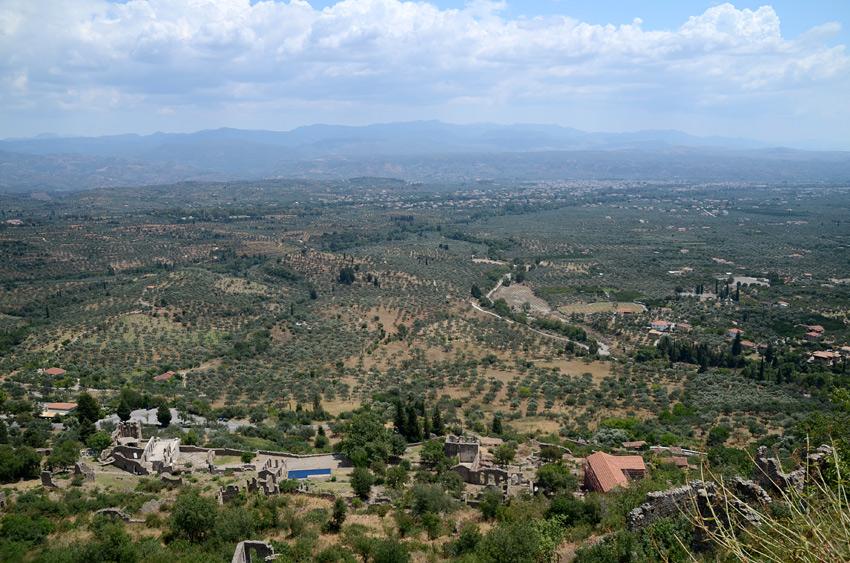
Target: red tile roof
{"type": "Point", "coordinates": [679, 461]}
{"type": "Point", "coordinates": [60, 406]}
{"type": "Point", "coordinates": [637, 444]}
{"type": "Point", "coordinates": [55, 371]}
{"type": "Point", "coordinates": [609, 470]}
{"type": "Point", "coordinates": [165, 376]}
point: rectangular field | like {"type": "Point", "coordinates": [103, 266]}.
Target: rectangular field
{"type": "Point", "coordinates": [600, 307]}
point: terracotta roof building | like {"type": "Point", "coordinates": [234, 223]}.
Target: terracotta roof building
{"type": "Point", "coordinates": [634, 445]}
{"type": "Point", "coordinates": [55, 371]}
{"type": "Point", "coordinates": [604, 472]}
{"type": "Point", "coordinates": [53, 409]}
{"type": "Point", "coordinates": [165, 376]}
{"type": "Point", "coordinates": [678, 461]}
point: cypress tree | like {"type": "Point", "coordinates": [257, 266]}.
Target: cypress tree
{"type": "Point", "coordinates": [437, 422]}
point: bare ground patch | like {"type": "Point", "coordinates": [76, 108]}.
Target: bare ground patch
{"type": "Point", "coordinates": [517, 295]}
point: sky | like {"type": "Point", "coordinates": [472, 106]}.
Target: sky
{"type": "Point", "coordinates": [777, 72]}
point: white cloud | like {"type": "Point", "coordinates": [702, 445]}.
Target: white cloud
{"type": "Point", "coordinates": [88, 55]}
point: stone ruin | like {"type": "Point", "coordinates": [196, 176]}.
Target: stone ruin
{"type": "Point", "coordinates": [274, 470]}
{"type": "Point", "coordinates": [127, 431]}
{"type": "Point", "coordinates": [114, 513]}
{"type": "Point", "coordinates": [178, 481]}
{"type": "Point", "coordinates": [477, 475]}
{"type": "Point", "coordinates": [471, 469]}
{"type": "Point", "coordinates": [265, 486]}
{"type": "Point", "coordinates": [262, 551]}
{"type": "Point", "coordinates": [222, 469]}
{"type": "Point", "coordinates": [2, 500]}
{"type": "Point", "coordinates": [87, 472]}
{"type": "Point", "coordinates": [768, 471]}
{"type": "Point", "coordinates": [713, 504]}
{"type": "Point", "coordinates": [269, 477]}
{"type": "Point", "coordinates": [267, 481]}
{"type": "Point", "coordinates": [226, 494]}
{"type": "Point", "coordinates": [80, 468]}
{"type": "Point", "coordinates": [47, 480]}
{"type": "Point", "coordinates": [466, 448]}
{"type": "Point", "coordinates": [157, 456]}
{"type": "Point", "coordinates": [705, 498]}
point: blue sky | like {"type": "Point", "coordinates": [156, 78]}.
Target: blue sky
{"type": "Point", "coordinates": [773, 71]}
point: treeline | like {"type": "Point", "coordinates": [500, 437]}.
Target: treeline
{"type": "Point", "coordinates": [572, 332]}
{"type": "Point", "coordinates": [778, 366]}
{"type": "Point", "coordinates": [688, 352]}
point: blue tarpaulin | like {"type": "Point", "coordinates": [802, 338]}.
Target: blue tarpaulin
{"type": "Point", "coordinates": [305, 473]}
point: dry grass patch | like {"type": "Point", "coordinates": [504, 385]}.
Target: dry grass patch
{"type": "Point", "coordinates": [599, 307]}
{"type": "Point", "coordinates": [598, 370]}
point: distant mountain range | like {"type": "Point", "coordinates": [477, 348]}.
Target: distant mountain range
{"type": "Point", "coordinates": [421, 150]}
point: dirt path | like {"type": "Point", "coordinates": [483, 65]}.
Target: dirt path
{"type": "Point", "coordinates": [538, 306]}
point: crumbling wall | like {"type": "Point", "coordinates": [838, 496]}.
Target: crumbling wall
{"type": "Point", "coordinates": [241, 468]}
{"type": "Point", "coordinates": [47, 480]}
{"type": "Point", "coordinates": [702, 497]}
{"type": "Point", "coordinates": [264, 552]}
{"type": "Point", "coordinates": [484, 476]}
{"type": "Point", "coordinates": [114, 513]}
{"type": "Point", "coordinates": [273, 470]}
{"type": "Point", "coordinates": [467, 449]}
{"type": "Point", "coordinates": [227, 494]}
{"type": "Point", "coordinates": [265, 486]}
{"type": "Point", "coordinates": [128, 464]}
{"type": "Point", "coordinates": [768, 471]}
{"type": "Point", "coordinates": [128, 429]}
{"type": "Point", "coordinates": [87, 472]}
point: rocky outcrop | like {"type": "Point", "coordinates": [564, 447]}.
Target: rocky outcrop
{"type": "Point", "coordinates": [152, 505]}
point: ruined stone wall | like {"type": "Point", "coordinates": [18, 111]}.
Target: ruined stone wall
{"type": "Point", "coordinates": [485, 476]}
{"type": "Point", "coordinates": [129, 429]}
{"type": "Point", "coordinates": [87, 472]}
{"type": "Point", "coordinates": [768, 471]}
{"type": "Point", "coordinates": [47, 480]}
{"type": "Point", "coordinates": [227, 494]}
{"type": "Point", "coordinates": [466, 449]}
{"type": "Point", "coordinates": [273, 470]}
{"type": "Point", "coordinates": [242, 554]}
{"type": "Point", "coordinates": [704, 498]}
{"type": "Point", "coordinates": [133, 466]}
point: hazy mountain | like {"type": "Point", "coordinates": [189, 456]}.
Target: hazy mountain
{"type": "Point", "coordinates": [420, 150]}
